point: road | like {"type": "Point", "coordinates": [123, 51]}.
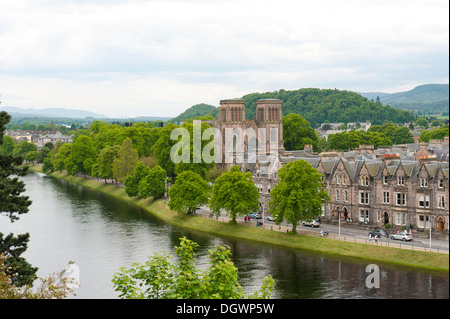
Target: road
{"type": "Point", "coordinates": [351, 232]}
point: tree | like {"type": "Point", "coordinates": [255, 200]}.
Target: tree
{"type": "Point", "coordinates": [235, 192]}
{"type": "Point", "coordinates": [55, 286]}
{"type": "Point", "coordinates": [154, 184]}
{"type": "Point", "coordinates": [189, 192]}
{"type": "Point", "coordinates": [82, 156]}
{"type": "Point", "coordinates": [161, 149]}
{"type": "Point", "coordinates": [13, 204]}
{"type": "Point", "coordinates": [7, 147]}
{"type": "Point", "coordinates": [132, 181]}
{"type": "Point", "coordinates": [105, 162]}
{"type": "Point", "coordinates": [23, 148]}
{"type": "Point", "coordinates": [297, 132]}
{"type": "Point", "coordinates": [158, 278]}
{"type": "Point", "coordinates": [298, 195]}
{"type": "Point", "coordinates": [125, 161]}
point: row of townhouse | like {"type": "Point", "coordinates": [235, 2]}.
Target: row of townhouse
{"type": "Point", "coordinates": [404, 189]}
{"type": "Point", "coordinates": [40, 138]}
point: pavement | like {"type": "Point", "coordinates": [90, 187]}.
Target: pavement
{"type": "Point", "coordinates": [342, 231]}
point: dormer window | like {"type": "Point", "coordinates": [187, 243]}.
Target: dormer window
{"type": "Point", "coordinates": [364, 180]}
{"type": "Point", "coordinates": [423, 182]}
{"type": "Point", "coordinates": [338, 179]}
{"type": "Point", "coordinates": [385, 180]}
{"type": "Point", "coordinates": [343, 179]}
{"type": "Point", "coordinates": [400, 180]}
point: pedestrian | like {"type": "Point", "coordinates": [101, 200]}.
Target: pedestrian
{"type": "Point", "coordinates": [370, 237]}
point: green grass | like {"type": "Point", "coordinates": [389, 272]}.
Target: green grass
{"type": "Point", "coordinates": [402, 257]}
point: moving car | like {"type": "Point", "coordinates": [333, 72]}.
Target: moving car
{"type": "Point", "coordinates": [255, 215]}
{"type": "Point", "coordinates": [401, 236]}
{"type": "Point", "coordinates": [379, 232]}
{"type": "Point", "coordinates": [311, 223]}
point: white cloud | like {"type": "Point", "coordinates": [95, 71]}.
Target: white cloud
{"type": "Point", "coordinates": [179, 53]}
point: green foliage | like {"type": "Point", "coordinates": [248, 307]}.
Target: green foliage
{"type": "Point", "coordinates": [132, 181]}
{"type": "Point", "coordinates": [189, 192]}
{"type": "Point", "coordinates": [298, 195]}
{"type": "Point", "coordinates": [7, 147]}
{"type": "Point", "coordinates": [158, 278]}
{"type": "Point", "coordinates": [437, 134]}
{"type": "Point", "coordinates": [154, 184]}
{"type": "Point", "coordinates": [297, 132]}
{"type": "Point", "coordinates": [350, 140]}
{"type": "Point", "coordinates": [125, 161]}
{"type": "Point", "coordinates": [235, 192]}
{"type": "Point", "coordinates": [82, 156]}
{"type": "Point", "coordinates": [397, 135]}
{"type": "Point", "coordinates": [195, 111]}
{"type": "Point", "coordinates": [23, 148]}
{"type": "Point", "coordinates": [329, 106]}
{"type": "Point", "coordinates": [105, 161]}
{"type": "Point", "coordinates": [13, 204]}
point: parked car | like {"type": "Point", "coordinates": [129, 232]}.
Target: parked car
{"type": "Point", "coordinates": [270, 218]}
{"type": "Point", "coordinates": [402, 236]}
{"type": "Point", "coordinates": [311, 223]}
{"type": "Point", "coordinates": [379, 232]}
{"type": "Point", "coordinates": [255, 215]}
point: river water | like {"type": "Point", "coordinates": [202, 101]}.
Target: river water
{"type": "Point", "coordinates": [100, 234]}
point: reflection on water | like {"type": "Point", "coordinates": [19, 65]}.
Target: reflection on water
{"type": "Point", "coordinates": [68, 222]}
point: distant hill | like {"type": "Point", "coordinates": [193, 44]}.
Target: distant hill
{"type": "Point", "coordinates": [329, 106]}
{"type": "Point", "coordinates": [50, 112]}
{"type": "Point", "coordinates": [423, 99]}
{"type": "Point", "coordinates": [195, 111]}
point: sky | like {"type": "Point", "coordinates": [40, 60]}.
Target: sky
{"type": "Point", "coordinates": [158, 58]}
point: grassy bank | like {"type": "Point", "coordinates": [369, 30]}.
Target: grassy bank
{"type": "Point", "coordinates": [159, 208]}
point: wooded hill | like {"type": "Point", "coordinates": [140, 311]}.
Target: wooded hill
{"type": "Point", "coordinates": [317, 106]}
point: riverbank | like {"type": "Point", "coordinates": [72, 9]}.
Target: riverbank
{"type": "Point", "coordinates": [416, 259]}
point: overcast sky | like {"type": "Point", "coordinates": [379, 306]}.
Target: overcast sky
{"type": "Point", "coordinates": [157, 58]}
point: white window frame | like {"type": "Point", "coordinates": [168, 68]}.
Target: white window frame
{"type": "Point", "coordinates": [385, 180]}
{"type": "Point", "coordinates": [343, 179]}
{"type": "Point", "coordinates": [364, 180]}
{"type": "Point", "coordinates": [440, 201]}
{"type": "Point", "coordinates": [400, 180]}
{"type": "Point", "coordinates": [338, 177]}
{"type": "Point", "coordinates": [423, 182]}
{"type": "Point", "coordinates": [337, 195]}
{"type": "Point", "coordinates": [364, 215]}
{"type": "Point", "coordinates": [364, 198]}
{"type": "Point", "coordinates": [345, 196]}
{"type": "Point", "coordinates": [386, 197]}
{"type": "Point", "coordinates": [400, 199]}
{"type": "Point", "coordinates": [424, 201]}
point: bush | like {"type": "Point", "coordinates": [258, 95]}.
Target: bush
{"type": "Point", "coordinates": [387, 225]}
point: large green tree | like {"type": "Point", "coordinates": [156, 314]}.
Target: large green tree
{"type": "Point", "coordinates": [82, 156]}
{"type": "Point", "coordinates": [154, 183]}
{"type": "Point", "coordinates": [297, 132]}
{"type": "Point", "coordinates": [189, 192]}
{"type": "Point", "coordinates": [158, 278]}
{"type": "Point", "coordinates": [132, 181]}
{"type": "Point", "coordinates": [298, 195]}
{"type": "Point", "coordinates": [235, 192]}
{"type": "Point", "coordinates": [125, 161]}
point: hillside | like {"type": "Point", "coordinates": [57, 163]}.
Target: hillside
{"type": "Point", "coordinates": [329, 106]}
{"type": "Point", "coordinates": [423, 99]}
{"type": "Point", "coordinates": [195, 111]}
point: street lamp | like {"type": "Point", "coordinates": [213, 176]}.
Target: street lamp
{"type": "Point", "coordinates": [429, 217]}
{"type": "Point", "coordinates": [339, 219]}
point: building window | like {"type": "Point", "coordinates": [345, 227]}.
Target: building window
{"type": "Point", "coordinates": [424, 201]}
{"type": "Point", "coordinates": [441, 202]}
{"type": "Point", "coordinates": [423, 182]}
{"type": "Point", "coordinates": [364, 180]}
{"type": "Point", "coordinates": [398, 219]}
{"type": "Point", "coordinates": [345, 196]}
{"type": "Point", "coordinates": [343, 179]}
{"type": "Point", "coordinates": [424, 221]}
{"type": "Point", "coordinates": [338, 179]}
{"type": "Point", "coordinates": [268, 188]}
{"type": "Point", "coordinates": [400, 180]}
{"type": "Point", "coordinates": [400, 199]}
{"type": "Point", "coordinates": [364, 198]}
{"type": "Point", "coordinates": [386, 199]}
{"type": "Point", "coordinates": [337, 196]}
{"type": "Point", "coordinates": [403, 219]}
{"type": "Point", "coordinates": [441, 183]}
{"type": "Point", "coordinates": [363, 215]}
{"type": "Point", "coordinates": [385, 180]}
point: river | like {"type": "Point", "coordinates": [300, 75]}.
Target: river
{"type": "Point", "coordinates": [68, 222]}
